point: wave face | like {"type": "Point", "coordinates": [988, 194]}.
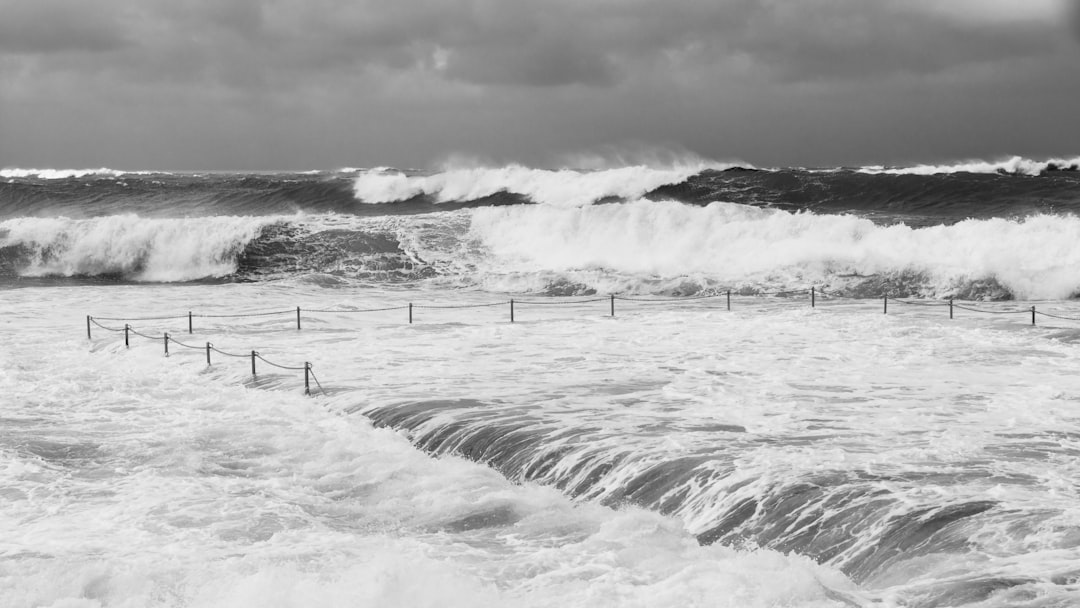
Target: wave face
{"type": "Point", "coordinates": [640, 247]}
{"type": "Point", "coordinates": [126, 247]}
{"type": "Point", "coordinates": [680, 249]}
{"type": "Point", "coordinates": [563, 188]}
{"type": "Point", "coordinates": [685, 230]}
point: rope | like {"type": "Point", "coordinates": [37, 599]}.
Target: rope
{"type": "Point", "coordinates": [252, 314]}
{"type": "Point", "coordinates": [132, 330]}
{"type": "Point", "coordinates": [1052, 316]}
{"type": "Point", "coordinates": [784, 293]}
{"type": "Point", "coordinates": [993, 312]}
{"type": "Point", "coordinates": [94, 321]}
{"type": "Point", "coordinates": [140, 318]}
{"type": "Point", "coordinates": [672, 299]}
{"type": "Point", "coordinates": [175, 341]}
{"type": "Point", "coordinates": [360, 310]}
{"type": "Point", "coordinates": [260, 357]}
{"type": "Point", "coordinates": [244, 356]}
{"type": "Point", "coordinates": [504, 303]}
{"type": "Point", "coordinates": [919, 303]}
{"type": "Point", "coordinates": [565, 302]}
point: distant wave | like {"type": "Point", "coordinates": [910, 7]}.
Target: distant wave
{"type": "Point", "coordinates": [1015, 165]}
{"type": "Point", "coordinates": [12, 173]}
{"type": "Point", "coordinates": [563, 187]}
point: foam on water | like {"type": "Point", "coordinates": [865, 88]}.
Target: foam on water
{"type": "Point", "coordinates": [136, 248]}
{"type": "Point", "coordinates": [130, 479]}
{"type": "Point", "coordinates": [725, 244]}
{"type": "Point", "coordinates": [1017, 165]}
{"type": "Point", "coordinates": [564, 187]}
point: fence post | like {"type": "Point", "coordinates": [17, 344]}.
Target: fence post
{"type": "Point", "coordinates": [208, 347]}
{"type": "Point", "coordinates": [950, 308]}
{"type": "Point", "coordinates": [189, 322]}
{"type": "Point", "coordinates": [166, 344]}
{"type": "Point", "coordinates": [88, 337]}
{"type": "Point", "coordinates": [1033, 316]}
{"type": "Point", "coordinates": [253, 354]}
{"type": "Point", "coordinates": [298, 318]}
{"type": "Point", "coordinates": [729, 299]}
{"type": "Point", "coordinates": [410, 313]}
{"type": "Point", "coordinates": [885, 303]}
{"type": "Point", "coordinates": [613, 305]}
{"type": "Point", "coordinates": [126, 343]}
{"type": "Point", "coordinates": [813, 297]}
{"type": "Point", "coordinates": [307, 373]}
{"type": "Point", "coordinates": [511, 310]}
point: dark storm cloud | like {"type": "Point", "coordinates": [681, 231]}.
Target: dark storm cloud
{"type": "Point", "coordinates": [508, 76]}
{"type": "Point", "coordinates": [491, 42]}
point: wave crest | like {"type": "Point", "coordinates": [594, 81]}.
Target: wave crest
{"type": "Point", "coordinates": [138, 249]}
{"type": "Point", "coordinates": [1016, 165]}
{"type": "Point", "coordinates": [563, 187]}
{"type": "Point", "coordinates": [648, 246]}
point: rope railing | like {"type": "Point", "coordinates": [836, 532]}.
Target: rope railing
{"type": "Point", "coordinates": [167, 339]}
{"type": "Point", "coordinates": [514, 304]}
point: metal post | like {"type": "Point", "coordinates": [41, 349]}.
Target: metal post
{"type": "Point", "coordinates": [253, 353]}
{"type": "Point", "coordinates": [950, 308]}
{"type": "Point", "coordinates": [729, 299]}
{"type": "Point", "coordinates": [813, 297]}
{"type": "Point", "coordinates": [1032, 316]}
{"type": "Point", "coordinates": [208, 347]}
{"type": "Point", "coordinates": [613, 305]}
{"type": "Point", "coordinates": [189, 330]}
{"type": "Point", "coordinates": [166, 344]}
{"type": "Point", "coordinates": [88, 337]}
{"type": "Point", "coordinates": [511, 310]}
{"type": "Point", "coordinates": [885, 303]}
{"type": "Point", "coordinates": [307, 373]}
{"type": "Point", "coordinates": [410, 313]}
{"type": "Point", "coordinates": [298, 318]}
{"type": "Point", "coordinates": [126, 343]}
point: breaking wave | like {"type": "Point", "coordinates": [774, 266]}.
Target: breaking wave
{"type": "Point", "coordinates": [648, 246]}
{"type": "Point", "coordinates": [12, 173]}
{"type": "Point", "coordinates": [1015, 165]}
{"type": "Point", "coordinates": [126, 246]}
{"type": "Point", "coordinates": [563, 187]}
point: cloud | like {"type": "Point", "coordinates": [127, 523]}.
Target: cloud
{"type": "Point", "coordinates": [57, 26]}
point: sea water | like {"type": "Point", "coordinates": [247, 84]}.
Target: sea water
{"type": "Point", "coordinates": [657, 449]}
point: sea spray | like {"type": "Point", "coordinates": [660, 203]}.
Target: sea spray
{"type": "Point", "coordinates": [140, 249]}
{"type": "Point", "coordinates": [732, 244]}
{"type": "Point", "coordinates": [564, 187]}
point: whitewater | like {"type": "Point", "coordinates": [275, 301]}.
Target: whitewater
{"type": "Point", "coordinates": [670, 417]}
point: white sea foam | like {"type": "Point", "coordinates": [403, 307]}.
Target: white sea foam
{"type": "Point", "coordinates": [641, 241]}
{"type": "Point", "coordinates": [10, 173]}
{"type": "Point", "coordinates": [564, 187]}
{"type": "Point", "coordinates": [1015, 165]}
{"type": "Point", "coordinates": [138, 248]}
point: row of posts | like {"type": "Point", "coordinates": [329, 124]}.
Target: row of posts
{"type": "Point", "coordinates": [209, 347]}
{"type": "Point", "coordinates": [813, 304]}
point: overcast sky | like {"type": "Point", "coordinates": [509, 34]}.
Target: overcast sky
{"type": "Point", "coordinates": [306, 84]}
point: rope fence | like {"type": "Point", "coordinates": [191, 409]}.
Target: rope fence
{"type": "Point", "coordinates": [167, 339]}
{"type": "Point", "coordinates": [813, 292]}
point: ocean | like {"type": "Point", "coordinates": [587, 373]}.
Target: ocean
{"type": "Point", "coordinates": [696, 384]}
